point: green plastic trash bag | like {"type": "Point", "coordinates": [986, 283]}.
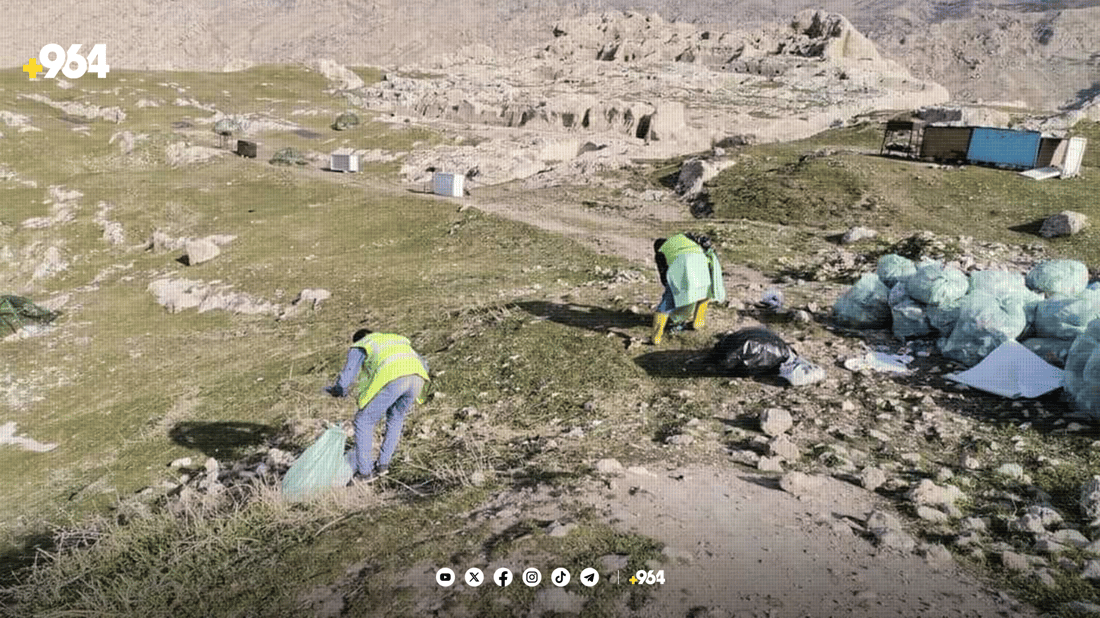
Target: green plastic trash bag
{"type": "Point", "coordinates": [864, 305]}
{"type": "Point", "coordinates": [1066, 317]}
{"type": "Point", "coordinates": [1082, 376]}
{"type": "Point", "coordinates": [893, 269]}
{"type": "Point", "coordinates": [909, 319]}
{"type": "Point", "coordinates": [984, 323]}
{"type": "Point", "coordinates": [1067, 277]}
{"type": "Point", "coordinates": [999, 283]}
{"type": "Point", "coordinates": [322, 466]}
{"type": "Point", "coordinates": [933, 284]}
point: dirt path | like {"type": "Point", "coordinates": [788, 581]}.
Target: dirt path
{"type": "Point", "coordinates": [739, 545]}
{"type": "Point", "coordinates": [742, 546]}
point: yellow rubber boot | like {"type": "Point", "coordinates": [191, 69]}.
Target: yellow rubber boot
{"type": "Point", "coordinates": [700, 315]}
{"type": "Point", "coordinates": [659, 321]}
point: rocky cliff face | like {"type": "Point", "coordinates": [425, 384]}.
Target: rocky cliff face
{"type": "Point", "coordinates": [1041, 53]}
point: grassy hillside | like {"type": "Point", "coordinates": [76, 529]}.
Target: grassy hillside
{"type": "Point", "coordinates": [836, 180]}
{"type": "Point", "coordinates": [532, 341]}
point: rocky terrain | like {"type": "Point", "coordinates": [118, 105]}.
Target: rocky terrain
{"type": "Point", "coordinates": [583, 135]}
{"type": "Point", "coordinates": [1040, 53]}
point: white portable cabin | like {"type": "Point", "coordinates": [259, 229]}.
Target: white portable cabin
{"type": "Point", "coordinates": [344, 160]}
{"type": "Point", "coordinates": [448, 184]}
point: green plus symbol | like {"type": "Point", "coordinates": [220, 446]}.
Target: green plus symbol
{"type": "Point", "coordinates": [32, 68]}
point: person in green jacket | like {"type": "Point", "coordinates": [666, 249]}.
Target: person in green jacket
{"type": "Point", "coordinates": [692, 277]}
{"type": "Point", "coordinates": [392, 377]}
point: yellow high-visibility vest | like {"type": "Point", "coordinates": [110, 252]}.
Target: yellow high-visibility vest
{"type": "Point", "coordinates": [388, 357]}
{"type": "Point", "coordinates": [678, 245]}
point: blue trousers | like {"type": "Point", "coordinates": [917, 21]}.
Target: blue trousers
{"type": "Point", "coordinates": [394, 401]}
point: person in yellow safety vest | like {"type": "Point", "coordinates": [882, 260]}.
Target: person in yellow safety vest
{"type": "Point", "coordinates": [689, 270]}
{"type": "Point", "coordinates": [392, 377]}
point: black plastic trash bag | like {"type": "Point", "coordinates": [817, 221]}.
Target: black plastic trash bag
{"type": "Point", "coordinates": [750, 351]}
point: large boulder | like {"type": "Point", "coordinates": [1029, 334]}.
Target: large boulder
{"type": "Point", "coordinates": [201, 250]}
{"type": "Point", "coordinates": [1065, 223]}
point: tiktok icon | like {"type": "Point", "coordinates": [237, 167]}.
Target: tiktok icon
{"type": "Point", "coordinates": [560, 577]}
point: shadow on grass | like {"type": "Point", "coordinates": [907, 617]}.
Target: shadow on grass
{"type": "Point", "coordinates": [16, 560]}
{"type": "Point", "coordinates": [585, 316]}
{"type": "Point", "coordinates": [220, 439]}
{"type": "Point", "coordinates": [1031, 228]}
{"type": "Point", "coordinates": [677, 364]}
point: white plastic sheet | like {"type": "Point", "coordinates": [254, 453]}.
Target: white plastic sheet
{"type": "Point", "coordinates": [1011, 370]}
{"type": "Point", "coordinates": [880, 361]}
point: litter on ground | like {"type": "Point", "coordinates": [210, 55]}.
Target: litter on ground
{"type": "Point", "coordinates": [880, 361]}
{"type": "Point", "coordinates": [1012, 370]}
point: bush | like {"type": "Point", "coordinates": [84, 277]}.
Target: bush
{"type": "Point", "coordinates": [288, 156]}
{"type": "Point", "coordinates": [345, 121]}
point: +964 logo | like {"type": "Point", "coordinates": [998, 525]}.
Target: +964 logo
{"type": "Point", "coordinates": [53, 58]}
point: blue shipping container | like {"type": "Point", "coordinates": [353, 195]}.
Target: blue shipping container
{"type": "Point", "coordinates": [1004, 147]}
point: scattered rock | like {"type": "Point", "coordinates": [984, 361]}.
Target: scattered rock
{"type": "Point", "coordinates": [1048, 545]}
{"type": "Point", "coordinates": [1091, 570]}
{"type": "Point", "coordinates": [775, 421]}
{"type": "Point", "coordinates": [936, 554]}
{"type": "Point", "coordinates": [1071, 537]}
{"type": "Point", "coordinates": [80, 110]}
{"type": "Point", "coordinates": [856, 234]}
{"type": "Point", "coordinates": [1047, 516]}
{"type": "Point", "coordinates": [1011, 470]}
{"type": "Point", "coordinates": [1081, 607]}
{"type": "Point", "coordinates": [201, 250]}
{"type": "Point", "coordinates": [799, 484]}
{"type": "Point", "coordinates": [872, 478]}
{"type": "Point", "coordinates": [1090, 498]}
{"type": "Point", "coordinates": [182, 153]}
{"type": "Point", "coordinates": [477, 478]}
{"type": "Point", "coordinates": [927, 492]}
{"type": "Point", "coordinates": [609, 466]}
{"type": "Point", "coordinates": [974, 524]}
{"type": "Point", "coordinates": [182, 462]}
{"type": "Point", "coordinates": [1014, 561]}
{"type": "Point", "coordinates": [928, 513]}
{"type": "Point", "coordinates": [681, 439]}
{"type": "Point", "coordinates": [1065, 223]}
{"type": "Point", "coordinates": [782, 447]}
{"type": "Point", "coordinates": [558, 529]}
{"type": "Point", "coordinates": [769, 464]}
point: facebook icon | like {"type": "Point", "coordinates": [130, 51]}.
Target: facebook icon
{"type": "Point", "coordinates": [502, 577]}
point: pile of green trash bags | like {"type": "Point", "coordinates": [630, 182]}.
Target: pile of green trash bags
{"type": "Point", "coordinates": [323, 466]}
{"type": "Point", "coordinates": [970, 314]}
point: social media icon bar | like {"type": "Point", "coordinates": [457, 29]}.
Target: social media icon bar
{"type": "Point", "coordinates": [590, 577]}
{"type": "Point", "coordinates": [560, 577]}
{"type": "Point", "coordinates": [445, 577]}
{"type": "Point", "coordinates": [474, 577]}
{"type": "Point", "coordinates": [532, 577]}
{"type": "Point", "coordinates": [502, 577]}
